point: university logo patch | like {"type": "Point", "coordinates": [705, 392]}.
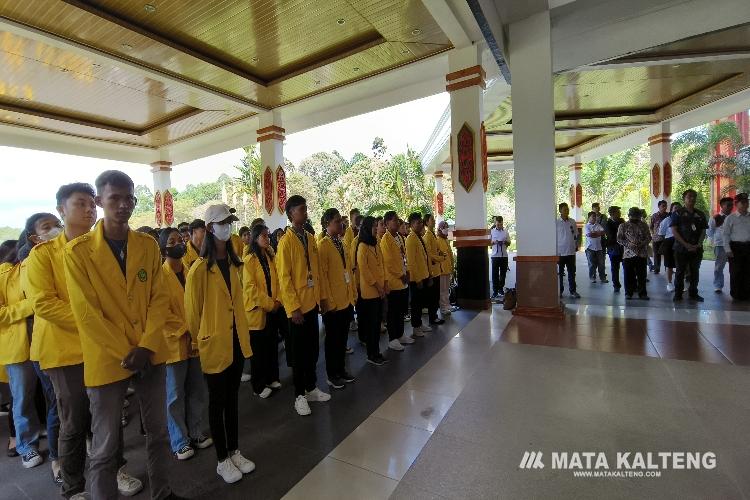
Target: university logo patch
{"type": "Point", "coordinates": [142, 276]}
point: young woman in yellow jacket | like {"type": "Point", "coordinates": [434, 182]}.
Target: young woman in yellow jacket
{"type": "Point", "coordinates": [436, 257]}
{"type": "Point", "coordinates": [186, 390]}
{"type": "Point", "coordinates": [260, 286]}
{"type": "Point", "coordinates": [338, 287]}
{"type": "Point", "coordinates": [446, 268]}
{"type": "Point", "coordinates": [372, 289]}
{"type": "Point", "coordinates": [216, 317]}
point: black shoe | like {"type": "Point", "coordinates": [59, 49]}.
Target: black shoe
{"type": "Point", "coordinates": [377, 361]}
{"type": "Point", "coordinates": [382, 358]}
{"type": "Point", "coordinates": [437, 322]}
{"type": "Point", "coordinates": [643, 297]}
{"type": "Point", "coordinates": [575, 295]}
{"type": "Point", "coordinates": [696, 298]}
{"type": "Point", "coordinates": [677, 298]}
{"type": "Point", "coordinates": [12, 452]}
{"type": "Point", "coordinates": [656, 271]}
{"type": "Point", "coordinates": [617, 289]}
{"type": "Point", "coordinates": [347, 377]}
{"type": "Point", "coordinates": [335, 382]}
{"type": "Point", "coordinates": [628, 296]}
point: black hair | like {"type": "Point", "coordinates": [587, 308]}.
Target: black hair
{"type": "Point", "coordinates": [726, 199]}
{"type": "Point", "coordinates": [8, 251]}
{"type": "Point", "coordinates": [294, 201]}
{"type": "Point", "coordinates": [275, 237]}
{"type": "Point", "coordinates": [688, 191]}
{"type": "Point", "coordinates": [182, 226]}
{"type": "Point", "coordinates": [674, 203]}
{"type": "Point", "coordinates": [208, 251]}
{"type": "Point", "coordinates": [498, 218]}
{"type": "Point", "coordinates": [243, 230]}
{"type": "Point", "coordinates": [563, 204]}
{"type": "Point", "coordinates": [426, 217]}
{"type": "Point", "coordinates": [358, 220]}
{"type": "Point", "coordinates": [414, 216]}
{"type": "Point", "coordinates": [365, 232]}
{"type": "Point", "coordinates": [67, 191]}
{"type": "Point", "coordinates": [595, 204]}
{"type": "Point", "coordinates": [196, 224]}
{"type": "Point", "coordinates": [113, 178]}
{"type": "Point", "coordinates": [327, 217]}
{"type": "Point", "coordinates": [30, 227]}
{"type": "Point", "coordinates": [662, 202]}
{"type": "Point", "coordinates": [164, 237]}
{"type": "Point", "coordinates": [612, 209]}
{"type": "Point", "coordinates": [390, 215]}
{"type": "Point", "coordinates": [257, 221]}
{"type": "Point", "coordinates": [144, 229]}
{"type": "Point", "coordinates": [590, 214]}
{"type": "Point", "coordinates": [354, 210]}
{"type": "Point", "coordinates": [255, 233]}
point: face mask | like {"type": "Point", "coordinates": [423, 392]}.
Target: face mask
{"type": "Point", "coordinates": [51, 234]}
{"type": "Point", "coordinates": [176, 252]}
{"type": "Point", "coordinates": [222, 232]}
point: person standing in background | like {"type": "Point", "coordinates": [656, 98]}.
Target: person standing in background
{"type": "Point", "coordinates": [689, 228]}
{"type": "Point", "coordinates": [656, 238]}
{"type": "Point", "coordinates": [614, 249]}
{"type": "Point", "coordinates": [500, 240]}
{"type": "Point", "coordinates": [667, 245]}
{"type": "Point", "coordinates": [715, 234]}
{"type": "Point", "coordinates": [594, 250]}
{"type": "Point", "coordinates": [394, 267]}
{"type": "Point", "coordinates": [432, 292]}
{"type": "Point", "coordinates": [635, 236]}
{"type": "Point", "coordinates": [446, 269]}
{"type": "Point", "coordinates": [736, 239]}
{"type": "Point", "coordinates": [567, 244]}
{"type": "Point", "coordinates": [193, 247]}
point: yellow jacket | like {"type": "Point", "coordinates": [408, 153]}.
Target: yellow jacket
{"type": "Point", "coordinates": [319, 237]}
{"type": "Point", "coordinates": [3, 375]}
{"type": "Point", "coordinates": [430, 241]}
{"type": "Point", "coordinates": [115, 313]}
{"type": "Point", "coordinates": [177, 337]}
{"type": "Point", "coordinates": [191, 255]}
{"type": "Point", "coordinates": [416, 258]}
{"type": "Point", "coordinates": [394, 266]}
{"type": "Point", "coordinates": [446, 266]}
{"type": "Point", "coordinates": [212, 311]}
{"type": "Point", "coordinates": [237, 245]}
{"type": "Point", "coordinates": [336, 276]}
{"type": "Point", "coordinates": [349, 235]}
{"type": "Point", "coordinates": [14, 309]}
{"type": "Point", "coordinates": [55, 341]}
{"type": "Point", "coordinates": [255, 292]}
{"type": "Point", "coordinates": [370, 270]}
{"type": "Point", "coordinates": [291, 267]}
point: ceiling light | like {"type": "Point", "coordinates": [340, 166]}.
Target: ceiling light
{"type": "Point", "coordinates": [126, 46]}
{"type": "Point", "coordinates": [405, 51]}
{"type": "Point", "coordinates": [317, 82]}
{"type": "Point", "coordinates": [356, 68]}
{"type": "Point", "coordinates": [416, 31]}
{"type": "Point", "coordinates": [254, 59]}
{"type": "Point", "coordinates": [340, 21]}
{"type": "Point", "coordinates": [149, 8]}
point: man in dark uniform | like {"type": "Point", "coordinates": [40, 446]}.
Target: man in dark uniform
{"type": "Point", "coordinates": [736, 241]}
{"type": "Point", "coordinates": [614, 249]}
{"type": "Point", "coordinates": [689, 228]}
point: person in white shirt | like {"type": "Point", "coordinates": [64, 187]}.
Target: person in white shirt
{"type": "Point", "coordinates": [714, 232]}
{"type": "Point", "coordinates": [499, 257]}
{"type": "Point", "coordinates": [666, 248]}
{"type": "Point", "coordinates": [736, 238]}
{"type": "Point", "coordinates": [594, 250]}
{"type": "Point", "coordinates": [567, 244]}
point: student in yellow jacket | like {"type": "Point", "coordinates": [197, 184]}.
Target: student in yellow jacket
{"type": "Point", "coordinates": [216, 318]}
{"type": "Point", "coordinates": [260, 286]}
{"type": "Point", "coordinates": [352, 230]}
{"type": "Point", "coordinates": [186, 391]}
{"type": "Point", "coordinates": [394, 267]}
{"type": "Point", "coordinates": [418, 264]}
{"type": "Point", "coordinates": [300, 292]}
{"type": "Point", "coordinates": [436, 257]}
{"type": "Point", "coordinates": [197, 230]}
{"type": "Point", "coordinates": [337, 284]}
{"type": "Point", "coordinates": [446, 268]}
{"type": "Point", "coordinates": [372, 289]}
{"type": "Point", "coordinates": [119, 302]}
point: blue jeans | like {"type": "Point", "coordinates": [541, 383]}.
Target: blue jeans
{"type": "Point", "coordinates": [187, 398]}
{"type": "Point", "coordinates": [22, 380]}
{"type": "Point", "coordinates": [53, 420]}
{"type": "Point", "coordinates": [721, 261]}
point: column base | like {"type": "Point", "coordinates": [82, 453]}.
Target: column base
{"type": "Point", "coordinates": [537, 287]}
{"type": "Point", "coordinates": [473, 277]}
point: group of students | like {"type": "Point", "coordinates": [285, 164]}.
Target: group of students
{"type": "Point", "coordinates": [675, 235]}
{"type": "Point", "coordinates": [94, 311]}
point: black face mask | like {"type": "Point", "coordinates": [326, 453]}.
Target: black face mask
{"type": "Point", "coordinates": [176, 252]}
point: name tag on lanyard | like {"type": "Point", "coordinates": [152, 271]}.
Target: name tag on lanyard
{"type": "Point", "coordinates": [347, 278]}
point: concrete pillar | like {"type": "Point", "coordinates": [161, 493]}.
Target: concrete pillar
{"type": "Point", "coordinates": [660, 175]}
{"type": "Point", "coordinates": [273, 176]}
{"type": "Point", "coordinates": [465, 83]}
{"type": "Point", "coordinates": [439, 208]}
{"type": "Point", "coordinates": [576, 193]}
{"type": "Point", "coordinates": [534, 160]}
{"type": "Point", "coordinates": [163, 203]}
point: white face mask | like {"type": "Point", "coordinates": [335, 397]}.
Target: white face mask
{"type": "Point", "coordinates": [51, 234]}
{"type": "Point", "coordinates": [222, 232]}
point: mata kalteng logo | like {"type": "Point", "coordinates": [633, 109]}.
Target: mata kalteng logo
{"type": "Point", "coordinates": [622, 464]}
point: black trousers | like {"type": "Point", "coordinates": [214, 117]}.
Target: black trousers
{"type": "Point", "coordinates": [223, 413]}
{"type": "Point", "coordinates": [368, 312]}
{"type": "Point", "coordinates": [499, 270]}
{"type": "Point", "coordinates": [398, 302]}
{"type": "Point", "coordinates": [337, 330]}
{"type": "Point", "coordinates": [416, 302]}
{"type": "Point", "coordinates": [635, 275]}
{"type": "Point", "coordinates": [739, 270]}
{"type": "Point", "coordinates": [689, 262]}
{"type": "Point", "coordinates": [433, 298]}
{"type": "Point", "coordinates": [614, 264]}
{"type": "Point", "coordinates": [657, 255]}
{"type": "Point", "coordinates": [567, 264]}
{"type": "Point", "coordinates": [282, 325]}
{"type": "Point", "coordinates": [264, 365]}
{"type": "Point", "coordinates": [305, 346]}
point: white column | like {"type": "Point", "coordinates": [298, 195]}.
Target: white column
{"type": "Point", "coordinates": [162, 172]}
{"type": "Point", "coordinates": [271, 140]}
{"type": "Point", "coordinates": [534, 162]}
{"type": "Point", "coordinates": [659, 183]}
{"type": "Point", "coordinates": [439, 208]}
{"type": "Point", "coordinates": [576, 210]}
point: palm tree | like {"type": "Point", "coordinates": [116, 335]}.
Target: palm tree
{"type": "Point", "coordinates": [251, 175]}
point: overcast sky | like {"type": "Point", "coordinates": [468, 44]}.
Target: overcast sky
{"type": "Point", "coordinates": [30, 178]}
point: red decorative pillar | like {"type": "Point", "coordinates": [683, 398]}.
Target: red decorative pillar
{"type": "Point", "coordinates": [163, 206]}
{"type": "Point", "coordinates": [271, 140]}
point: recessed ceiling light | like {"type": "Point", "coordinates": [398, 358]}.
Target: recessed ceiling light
{"type": "Point", "coordinates": [254, 59]}
{"type": "Point", "coordinates": [355, 69]}
{"type": "Point", "coordinates": [340, 21]}
{"type": "Point", "coordinates": [416, 31]}
{"type": "Point", "coordinates": [126, 46]}
{"type": "Point", "coordinates": [405, 51]}
{"type": "Point", "coordinates": [149, 8]}
{"type": "Point", "coordinates": [317, 82]}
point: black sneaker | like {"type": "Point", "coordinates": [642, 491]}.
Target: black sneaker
{"type": "Point", "coordinates": [696, 298]}
{"type": "Point", "coordinates": [628, 296]}
{"type": "Point", "coordinates": [677, 298]}
{"type": "Point", "coordinates": [335, 382]}
{"type": "Point", "coordinates": [31, 459]}
{"type": "Point", "coordinates": [347, 377]}
{"type": "Point", "coordinates": [437, 322]}
{"type": "Point", "coordinates": [643, 297]}
{"type": "Point", "coordinates": [617, 289]}
{"type": "Point", "coordinates": [349, 350]}
{"type": "Point", "coordinates": [382, 359]}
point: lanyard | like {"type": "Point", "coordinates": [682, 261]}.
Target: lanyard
{"type": "Point", "coordinates": [303, 239]}
{"type": "Point", "coordinates": [340, 248]}
{"type": "Point", "coordinates": [426, 255]}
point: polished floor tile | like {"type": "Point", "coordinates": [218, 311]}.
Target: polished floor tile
{"type": "Point", "coordinates": [333, 479]}
{"type": "Point", "coordinates": [415, 408]}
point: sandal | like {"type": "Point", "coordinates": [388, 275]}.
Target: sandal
{"type": "Point", "coordinates": [12, 452]}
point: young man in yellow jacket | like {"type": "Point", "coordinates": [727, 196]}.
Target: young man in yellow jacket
{"type": "Point", "coordinates": [337, 285]}
{"type": "Point", "coordinates": [446, 268]}
{"type": "Point", "coordinates": [300, 292]}
{"type": "Point", "coordinates": [394, 264]}
{"type": "Point", "coordinates": [193, 248]}
{"type": "Point", "coordinates": [352, 229]}
{"type": "Point", "coordinates": [119, 303]}
{"type": "Point", "coordinates": [436, 257]}
{"type": "Point", "coordinates": [418, 265]}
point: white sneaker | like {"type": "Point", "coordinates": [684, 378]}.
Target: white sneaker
{"type": "Point", "coordinates": [275, 385]}
{"type": "Point", "coordinates": [300, 404]}
{"type": "Point", "coordinates": [243, 464]}
{"type": "Point", "coordinates": [395, 345]}
{"type": "Point", "coordinates": [670, 288]}
{"type": "Point", "coordinates": [316, 395]}
{"type": "Point", "coordinates": [265, 393]}
{"type": "Point", "coordinates": [425, 328]}
{"type": "Point", "coordinates": [445, 313]}
{"type": "Point", "coordinates": [405, 339]}
{"type": "Point", "coordinates": [245, 377]}
{"type": "Point", "coordinates": [81, 496]}
{"type": "Point", "coordinates": [128, 485]}
{"type": "Point", "coordinates": [203, 442]}
{"type": "Point", "coordinates": [184, 453]}
{"type": "Point", "coordinates": [228, 471]}
{"type": "Point", "coordinates": [417, 332]}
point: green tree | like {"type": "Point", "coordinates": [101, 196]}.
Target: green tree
{"type": "Point", "coordinates": [250, 176]}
